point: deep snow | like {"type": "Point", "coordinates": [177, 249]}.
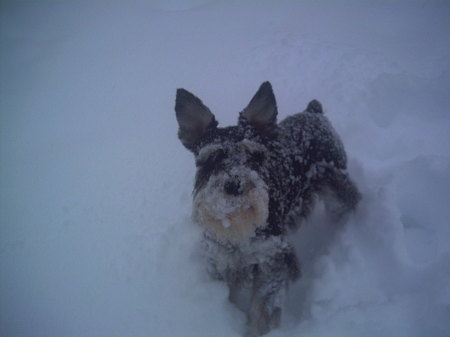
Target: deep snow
{"type": "Point", "coordinates": [95, 198]}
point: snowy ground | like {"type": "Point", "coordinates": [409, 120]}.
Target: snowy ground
{"type": "Point", "coordinates": [96, 237]}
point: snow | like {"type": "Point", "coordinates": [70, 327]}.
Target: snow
{"type": "Point", "coordinates": [226, 223]}
{"type": "Point", "coordinates": [96, 237]}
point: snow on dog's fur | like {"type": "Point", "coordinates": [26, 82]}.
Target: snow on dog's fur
{"type": "Point", "coordinates": [254, 182]}
{"type": "Point", "coordinates": [232, 216]}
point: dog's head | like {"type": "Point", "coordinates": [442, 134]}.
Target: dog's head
{"type": "Point", "coordinates": [230, 193]}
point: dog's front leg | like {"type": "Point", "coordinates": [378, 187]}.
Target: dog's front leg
{"type": "Point", "coordinates": [239, 285]}
{"type": "Point", "coordinates": [265, 305]}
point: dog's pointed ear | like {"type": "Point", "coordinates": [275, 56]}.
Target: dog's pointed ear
{"type": "Point", "coordinates": [262, 111]}
{"type": "Point", "coordinates": [193, 117]}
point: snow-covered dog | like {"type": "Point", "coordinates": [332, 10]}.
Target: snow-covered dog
{"type": "Point", "coordinates": [254, 182]}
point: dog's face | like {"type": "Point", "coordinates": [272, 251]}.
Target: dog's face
{"type": "Point", "coordinates": [230, 197]}
{"type": "Point", "coordinates": [230, 193]}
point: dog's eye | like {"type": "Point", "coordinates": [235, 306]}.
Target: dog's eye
{"type": "Point", "coordinates": [212, 160]}
{"type": "Point", "coordinates": [207, 165]}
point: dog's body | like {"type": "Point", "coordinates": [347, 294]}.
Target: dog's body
{"type": "Point", "coordinates": [254, 182]}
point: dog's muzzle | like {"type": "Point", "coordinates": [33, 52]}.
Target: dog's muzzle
{"type": "Point", "coordinates": [232, 206]}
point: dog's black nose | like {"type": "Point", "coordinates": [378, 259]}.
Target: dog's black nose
{"type": "Point", "coordinates": [233, 187]}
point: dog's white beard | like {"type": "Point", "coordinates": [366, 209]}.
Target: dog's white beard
{"type": "Point", "coordinates": [232, 218]}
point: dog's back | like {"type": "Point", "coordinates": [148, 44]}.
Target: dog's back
{"type": "Point", "coordinates": [314, 137]}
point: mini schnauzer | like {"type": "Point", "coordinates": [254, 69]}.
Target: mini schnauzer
{"type": "Point", "coordinates": [255, 182]}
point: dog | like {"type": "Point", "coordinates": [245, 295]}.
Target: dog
{"type": "Point", "coordinates": [255, 183]}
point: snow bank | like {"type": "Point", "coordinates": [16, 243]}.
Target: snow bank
{"type": "Point", "coordinates": [95, 199]}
